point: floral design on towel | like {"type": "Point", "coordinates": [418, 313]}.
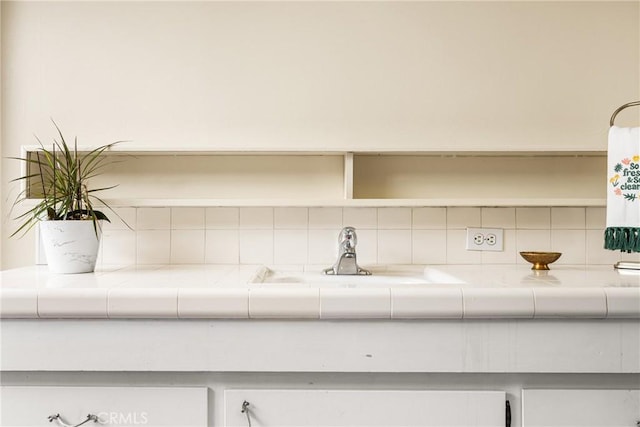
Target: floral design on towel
{"type": "Point", "coordinates": [626, 178]}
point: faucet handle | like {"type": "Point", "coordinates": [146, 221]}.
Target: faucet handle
{"type": "Point", "coordinates": [348, 237]}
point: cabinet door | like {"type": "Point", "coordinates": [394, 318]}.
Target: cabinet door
{"type": "Point", "coordinates": [365, 408]}
{"type": "Point", "coordinates": [584, 408]}
{"type": "Point", "coordinates": [114, 406]}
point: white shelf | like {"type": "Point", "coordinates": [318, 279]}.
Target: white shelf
{"type": "Point", "coordinates": [515, 151]}
{"type": "Point", "coordinates": [369, 177]}
{"type": "Point", "coordinates": [354, 202]}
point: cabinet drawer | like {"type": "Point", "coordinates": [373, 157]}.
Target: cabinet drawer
{"type": "Point", "coordinates": [585, 408]}
{"type": "Point", "coordinates": [114, 406]}
{"type": "Point", "coordinates": [388, 408]}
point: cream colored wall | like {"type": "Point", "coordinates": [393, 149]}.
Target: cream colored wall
{"type": "Point", "coordinates": [2, 177]}
{"type": "Point", "coordinates": [344, 75]}
{"type": "Point", "coordinates": [339, 74]}
{"type": "Point", "coordinates": [225, 177]}
{"type": "Point", "coordinates": [486, 177]}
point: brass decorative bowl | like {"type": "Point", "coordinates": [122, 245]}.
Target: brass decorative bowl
{"type": "Point", "coordinates": [540, 260]}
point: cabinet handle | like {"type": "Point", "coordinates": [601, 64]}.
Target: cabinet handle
{"type": "Point", "coordinates": [60, 421]}
{"type": "Point", "coordinates": [508, 415]}
{"type": "Point", "coordinates": [245, 410]}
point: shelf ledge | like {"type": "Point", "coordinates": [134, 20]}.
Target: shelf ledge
{"type": "Point", "coordinates": [356, 202]}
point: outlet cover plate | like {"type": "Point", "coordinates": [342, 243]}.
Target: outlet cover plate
{"type": "Point", "coordinates": [485, 239]}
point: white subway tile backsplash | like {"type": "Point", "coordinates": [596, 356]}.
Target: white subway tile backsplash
{"type": "Point", "coordinates": [507, 255]}
{"type": "Point", "coordinates": [367, 249]}
{"type": "Point", "coordinates": [596, 218]}
{"type": "Point", "coordinates": [394, 218]}
{"type": "Point", "coordinates": [429, 218]}
{"type": "Point", "coordinates": [153, 219]}
{"type": "Point", "coordinates": [394, 246]}
{"type": "Point", "coordinates": [325, 218]}
{"type": "Point", "coordinates": [463, 217]}
{"type": "Point", "coordinates": [323, 247]}
{"type": "Point", "coordinates": [568, 218]}
{"type": "Point", "coordinates": [595, 251]}
{"type": "Point", "coordinates": [256, 218]}
{"type": "Point", "coordinates": [119, 247]}
{"type": "Point", "coordinates": [222, 218]}
{"type": "Point", "coordinates": [360, 218]}
{"type": "Point", "coordinates": [290, 246]}
{"type": "Point", "coordinates": [291, 218]}
{"type": "Point", "coordinates": [456, 249]}
{"type": "Point", "coordinates": [256, 246]}
{"type": "Point", "coordinates": [120, 219]}
{"type": "Point", "coordinates": [429, 247]}
{"type": "Point", "coordinates": [390, 235]}
{"type": "Point", "coordinates": [153, 247]}
{"type": "Point", "coordinates": [222, 247]}
{"type": "Point", "coordinates": [187, 218]}
{"type": "Point", "coordinates": [572, 245]}
{"type": "Point", "coordinates": [533, 218]}
{"type": "Point", "coordinates": [187, 246]}
{"type": "Point", "coordinates": [498, 217]}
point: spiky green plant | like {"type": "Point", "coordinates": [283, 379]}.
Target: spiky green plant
{"type": "Point", "coordinates": [62, 173]}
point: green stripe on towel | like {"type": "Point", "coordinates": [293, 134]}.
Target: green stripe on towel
{"type": "Point", "coordinates": [622, 238]}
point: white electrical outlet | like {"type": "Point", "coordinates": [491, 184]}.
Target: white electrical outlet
{"type": "Point", "coordinates": [485, 239]}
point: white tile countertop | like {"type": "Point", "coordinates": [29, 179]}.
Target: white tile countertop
{"type": "Point", "coordinates": [255, 292]}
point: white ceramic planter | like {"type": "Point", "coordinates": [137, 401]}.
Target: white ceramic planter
{"type": "Point", "coordinates": [71, 246]}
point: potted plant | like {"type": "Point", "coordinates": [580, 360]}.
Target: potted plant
{"type": "Point", "coordinates": [70, 226]}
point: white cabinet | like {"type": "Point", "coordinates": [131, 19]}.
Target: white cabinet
{"type": "Point", "coordinates": [365, 408]}
{"type": "Point", "coordinates": [584, 408]}
{"type": "Point", "coordinates": [114, 406]}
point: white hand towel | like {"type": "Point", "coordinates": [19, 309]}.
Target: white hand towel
{"type": "Point", "coordinates": [623, 190]}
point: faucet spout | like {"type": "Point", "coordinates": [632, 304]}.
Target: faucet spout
{"type": "Point", "coordinates": [347, 261]}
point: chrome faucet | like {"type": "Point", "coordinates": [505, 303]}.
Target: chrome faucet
{"type": "Point", "coordinates": [347, 263]}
